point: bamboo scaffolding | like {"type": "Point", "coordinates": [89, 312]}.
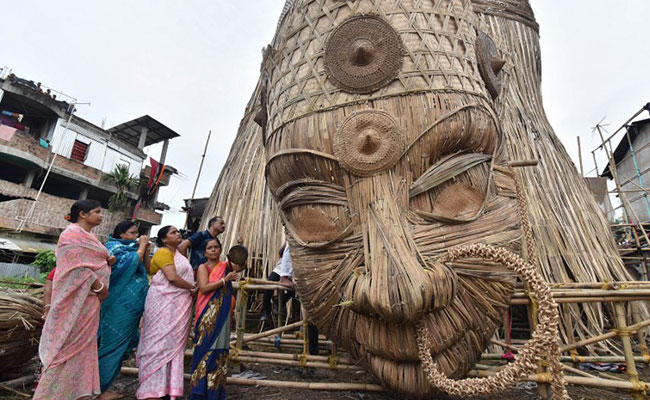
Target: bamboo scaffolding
{"type": "Point", "coordinates": [576, 358]}
{"type": "Point", "coordinates": [269, 333]}
{"type": "Point", "coordinates": [303, 363]}
{"type": "Point", "coordinates": [330, 386]}
{"type": "Point", "coordinates": [577, 380]}
{"type": "Point", "coordinates": [296, 357]}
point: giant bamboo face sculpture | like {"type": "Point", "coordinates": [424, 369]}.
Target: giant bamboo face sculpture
{"type": "Point", "coordinates": [384, 151]}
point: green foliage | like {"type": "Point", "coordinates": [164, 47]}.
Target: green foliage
{"type": "Point", "coordinates": [45, 261]}
{"type": "Point", "coordinates": [21, 283]}
{"type": "Point", "coordinates": [124, 182]}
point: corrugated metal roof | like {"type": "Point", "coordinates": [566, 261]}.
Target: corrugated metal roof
{"type": "Point", "coordinates": [25, 245]}
{"type": "Point", "coordinates": [11, 270]}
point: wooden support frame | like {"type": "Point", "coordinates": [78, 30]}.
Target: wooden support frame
{"type": "Point", "coordinates": [618, 293]}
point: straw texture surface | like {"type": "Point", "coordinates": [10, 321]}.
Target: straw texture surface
{"type": "Point", "coordinates": [365, 237]}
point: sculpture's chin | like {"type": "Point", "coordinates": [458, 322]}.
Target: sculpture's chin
{"type": "Point", "coordinates": [408, 378]}
{"type": "Point", "coordinates": [457, 335]}
{"type": "Point", "coordinates": [402, 377]}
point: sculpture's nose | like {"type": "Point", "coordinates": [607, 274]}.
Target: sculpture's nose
{"type": "Point", "coordinates": [397, 284]}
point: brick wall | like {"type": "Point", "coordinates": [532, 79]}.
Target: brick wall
{"type": "Point", "coordinates": [149, 216]}
{"type": "Point", "coordinates": [48, 216]}
{"type": "Point", "coordinates": [28, 144]}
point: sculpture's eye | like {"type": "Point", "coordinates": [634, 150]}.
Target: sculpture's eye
{"type": "Point", "coordinates": [311, 196]}
{"type": "Point", "coordinates": [454, 189]}
{"type": "Point", "coordinates": [363, 54]}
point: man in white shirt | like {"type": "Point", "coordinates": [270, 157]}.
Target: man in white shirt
{"type": "Point", "coordinates": [274, 276]}
{"type": "Point", "coordinates": [286, 269]}
{"type": "Point", "coordinates": [286, 279]}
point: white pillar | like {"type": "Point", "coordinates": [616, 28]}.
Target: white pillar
{"type": "Point", "coordinates": [163, 153]}
{"type": "Point", "coordinates": [143, 137]}
{"type": "Point", "coordinates": [29, 178]}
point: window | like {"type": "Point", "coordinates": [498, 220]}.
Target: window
{"type": "Point", "coordinates": [79, 151]}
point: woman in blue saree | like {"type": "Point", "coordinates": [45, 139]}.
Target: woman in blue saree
{"type": "Point", "coordinates": [121, 312]}
{"type": "Point", "coordinates": [212, 321]}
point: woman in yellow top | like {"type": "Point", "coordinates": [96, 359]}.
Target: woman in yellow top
{"type": "Point", "coordinates": [161, 257]}
{"type": "Point", "coordinates": [165, 326]}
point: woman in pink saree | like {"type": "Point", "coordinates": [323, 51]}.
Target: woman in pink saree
{"type": "Point", "coordinates": [68, 346]}
{"type": "Point", "coordinates": [166, 320]}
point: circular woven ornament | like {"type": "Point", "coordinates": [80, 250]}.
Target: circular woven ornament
{"type": "Point", "coordinates": [363, 54]}
{"type": "Point", "coordinates": [238, 254]}
{"type": "Point", "coordinates": [368, 142]}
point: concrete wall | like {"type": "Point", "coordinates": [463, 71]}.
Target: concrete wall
{"type": "Point", "coordinates": [627, 174]}
{"type": "Point", "coordinates": [103, 154]}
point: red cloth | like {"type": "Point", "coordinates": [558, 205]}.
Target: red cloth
{"type": "Point", "coordinates": [50, 276]}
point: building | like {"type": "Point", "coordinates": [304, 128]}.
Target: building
{"type": "Point", "coordinates": [632, 163]}
{"type": "Point", "coordinates": [598, 186]}
{"type": "Point", "coordinates": [39, 131]}
{"type": "Point", "coordinates": [194, 209]}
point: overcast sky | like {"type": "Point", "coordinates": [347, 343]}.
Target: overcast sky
{"type": "Point", "coordinates": [193, 65]}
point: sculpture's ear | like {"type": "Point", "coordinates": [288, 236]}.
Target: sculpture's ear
{"type": "Point", "coordinates": [489, 63]}
{"type": "Point", "coordinates": [261, 115]}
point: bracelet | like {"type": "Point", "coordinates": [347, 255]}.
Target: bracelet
{"type": "Point", "coordinates": [100, 289]}
{"type": "Point", "coordinates": [46, 306]}
{"type": "Point", "coordinates": [224, 282]}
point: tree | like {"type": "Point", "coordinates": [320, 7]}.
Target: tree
{"type": "Point", "coordinates": [45, 261]}
{"type": "Point", "coordinates": [124, 182]}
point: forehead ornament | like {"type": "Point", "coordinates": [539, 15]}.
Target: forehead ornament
{"type": "Point", "coordinates": [363, 54]}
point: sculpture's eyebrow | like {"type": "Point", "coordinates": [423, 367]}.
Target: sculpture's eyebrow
{"type": "Point", "coordinates": [300, 151]}
{"type": "Point", "coordinates": [296, 164]}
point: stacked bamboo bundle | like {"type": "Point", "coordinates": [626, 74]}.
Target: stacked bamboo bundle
{"type": "Point", "coordinates": [574, 243]}
{"type": "Point", "coordinates": [20, 328]}
{"type": "Point", "coordinates": [242, 198]}
{"type": "Point", "coordinates": [382, 158]}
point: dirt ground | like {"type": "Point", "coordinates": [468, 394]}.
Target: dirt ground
{"type": "Point", "coordinates": [523, 391]}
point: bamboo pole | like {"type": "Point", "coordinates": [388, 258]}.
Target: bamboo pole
{"type": "Point", "coordinates": [294, 357]}
{"type": "Point", "coordinates": [574, 380]}
{"type": "Point", "coordinates": [557, 294]}
{"type": "Point", "coordinates": [305, 332]}
{"type": "Point", "coordinates": [579, 359]}
{"type": "Point", "coordinates": [582, 172]}
{"type": "Point", "coordinates": [14, 391]}
{"type": "Point", "coordinates": [605, 336]}
{"type": "Point", "coordinates": [577, 371]}
{"type": "Point", "coordinates": [302, 363]}
{"type": "Point", "coordinates": [624, 334]}
{"type": "Point", "coordinates": [22, 381]}
{"type": "Point", "coordinates": [575, 300]}
{"type": "Point", "coordinates": [285, 341]}
{"type": "Point", "coordinates": [271, 332]}
{"type": "Point", "coordinates": [242, 308]}
{"type": "Point", "coordinates": [597, 285]}
{"type": "Point", "coordinates": [335, 386]}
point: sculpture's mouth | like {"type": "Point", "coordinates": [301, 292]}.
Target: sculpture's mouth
{"type": "Point", "coordinates": [458, 334]}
